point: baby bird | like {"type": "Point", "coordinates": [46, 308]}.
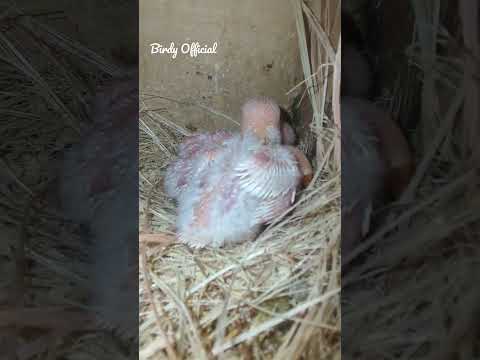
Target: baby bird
{"type": "Point", "coordinates": [238, 182]}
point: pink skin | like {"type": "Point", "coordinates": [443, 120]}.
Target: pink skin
{"type": "Point", "coordinates": [304, 165]}
{"type": "Point", "coordinates": [262, 117]}
{"type": "Point", "coordinates": [219, 190]}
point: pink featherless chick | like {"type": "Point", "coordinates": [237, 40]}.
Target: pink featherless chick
{"type": "Point", "coordinates": [198, 152]}
{"type": "Point", "coordinates": [251, 179]}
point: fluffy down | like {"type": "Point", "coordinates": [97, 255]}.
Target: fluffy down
{"type": "Point", "coordinates": [196, 154]}
{"type": "Point", "coordinates": [247, 186]}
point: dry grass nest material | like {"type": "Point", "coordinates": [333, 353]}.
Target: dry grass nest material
{"type": "Point", "coordinates": [416, 296]}
{"type": "Point", "coordinates": [47, 80]}
{"type": "Point", "coordinates": [276, 297]}
{"type": "Point", "coordinates": [266, 293]}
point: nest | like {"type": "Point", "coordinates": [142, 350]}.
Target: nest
{"type": "Point", "coordinates": [276, 297]}
{"type": "Point", "coordinates": [414, 295]}
{"type": "Point", "coordinates": [48, 80]}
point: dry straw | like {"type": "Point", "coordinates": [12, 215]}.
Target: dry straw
{"type": "Point", "coordinates": [276, 297]}
{"type": "Point", "coordinates": [415, 297]}
{"type": "Point", "coordinates": [45, 83]}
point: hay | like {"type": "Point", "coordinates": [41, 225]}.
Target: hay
{"type": "Point", "coordinates": [46, 81]}
{"type": "Point", "coordinates": [276, 297]}
{"type": "Point", "coordinates": [415, 295]}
